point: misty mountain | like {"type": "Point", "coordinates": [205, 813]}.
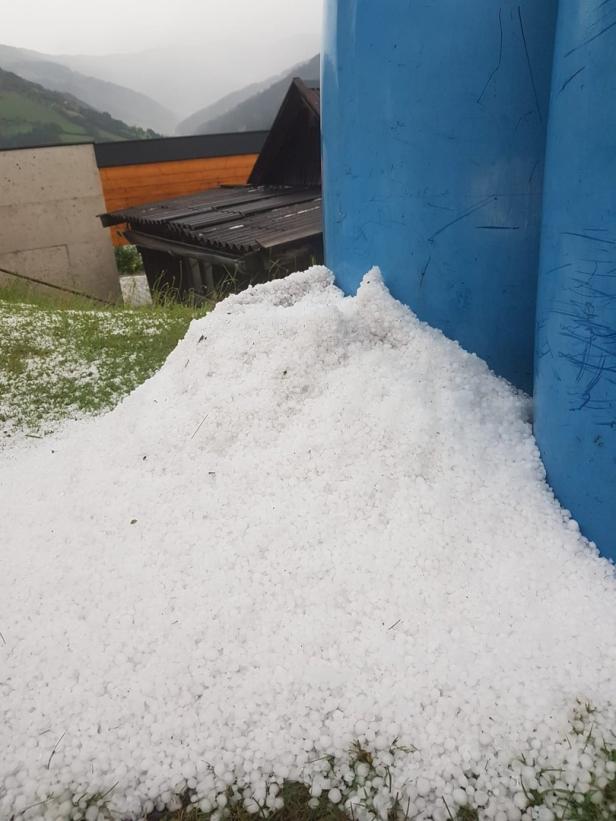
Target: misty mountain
{"type": "Point", "coordinates": [32, 115]}
{"type": "Point", "coordinates": [120, 102]}
{"type": "Point", "coordinates": [191, 124]}
{"type": "Point", "coordinates": [256, 112]}
{"type": "Point", "coordinates": [198, 72]}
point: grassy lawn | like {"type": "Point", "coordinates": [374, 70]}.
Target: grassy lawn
{"type": "Point", "coordinates": [60, 361]}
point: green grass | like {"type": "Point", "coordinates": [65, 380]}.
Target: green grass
{"type": "Point", "coordinates": [63, 360]}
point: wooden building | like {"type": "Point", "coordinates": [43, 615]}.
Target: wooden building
{"type": "Point", "coordinates": [222, 239]}
{"type": "Point", "coordinates": [137, 172]}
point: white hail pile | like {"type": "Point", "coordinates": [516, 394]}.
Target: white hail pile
{"type": "Point", "coordinates": [321, 527]}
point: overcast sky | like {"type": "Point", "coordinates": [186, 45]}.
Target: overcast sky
{"type": "Point", "coordinates": [93, 27]}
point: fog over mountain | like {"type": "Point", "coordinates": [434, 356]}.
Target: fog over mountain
{"type": "Point", "coordinates": [132, 107]}
{"type": "Point", "coordinates": [185, 80]}
{"type": "Point", "coordinates": [184, 54]}
{"type": "Point", "coordinates": [252, 108]}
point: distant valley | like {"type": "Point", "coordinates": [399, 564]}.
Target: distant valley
{"type": "Point", "coordinates": [69, 98]}
{"type": "Point", "coordinates": [194, 74]}
{"type": "Point", "coordinates": [250, 109]}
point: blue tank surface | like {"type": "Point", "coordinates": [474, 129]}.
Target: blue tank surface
{"type": "Point", "coordinates": [434, 117]}
{"type": "Point", "coordinates": [575, 379]}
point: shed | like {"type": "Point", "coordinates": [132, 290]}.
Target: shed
{"type": "Point", "coordinates": [226, 238]}
{"type": "Point", "coordinates": [143, 171]}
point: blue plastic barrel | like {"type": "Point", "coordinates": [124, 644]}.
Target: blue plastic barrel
{"type": "Point", "coordinates": [575, 381]}
{"type": "Point", "coordinates": [434, 115]}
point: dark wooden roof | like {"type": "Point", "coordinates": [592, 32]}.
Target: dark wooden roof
{"type": "Point", "coordinates": [233, 221]}
{"type": "Point", "coordinates": [170, 149]}
{"type": "Point", "coordinates": [291, 154]}
{"type": "Point", "coordinates": [280, 207]}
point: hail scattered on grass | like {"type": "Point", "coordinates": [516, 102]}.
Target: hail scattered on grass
{"type": "Point", "coordinates": [58, 363]}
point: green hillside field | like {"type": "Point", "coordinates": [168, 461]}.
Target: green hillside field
{"type": "Point", "coordinates": [32, 115]}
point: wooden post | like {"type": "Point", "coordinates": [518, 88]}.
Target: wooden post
{"type": "Point", "coordinates": [195, 271]}
{"type": "Point", "coordinates": [207, 275]}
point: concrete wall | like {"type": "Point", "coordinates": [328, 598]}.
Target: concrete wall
{"type": "Point", "coordinates": [49, 202]}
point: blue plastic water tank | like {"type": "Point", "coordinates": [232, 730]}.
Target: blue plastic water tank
{"type": "Point", "coordinates": [575, 381]}
{"type": "Point", "coordinates": [434, 117]}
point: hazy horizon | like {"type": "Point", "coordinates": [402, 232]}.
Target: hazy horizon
{"type": "Point", "coordinates": [184, 55]}
{"type": "Point", "coordinates": [77, 27]}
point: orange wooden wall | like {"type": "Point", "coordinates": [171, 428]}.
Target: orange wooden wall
{"type": "Point", "coordinates": [127, 185]}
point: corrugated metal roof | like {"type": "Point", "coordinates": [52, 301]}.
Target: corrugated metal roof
{"type": "Point", "coordinates": [236, 220]}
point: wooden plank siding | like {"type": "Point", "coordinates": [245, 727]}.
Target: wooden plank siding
{"type": "Point", "coordinates": [127, 185]}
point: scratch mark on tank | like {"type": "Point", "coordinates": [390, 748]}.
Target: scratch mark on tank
{"type": "Point", "coordinates": [500, 56]}
{"type": "Point", "coordinates": [603, 12]}
{"type": "Point", "coordinates": [570, 79]}
{"type": "Point", "coordinates": [589, 291]}
{"type": "Point", "coordinates": [588, 236]}
{"type": "Point", "coordinates": [589, 273]}
{"type": "Point", "coordinates": [559, 268]}
{"type": "Point", "coordinates": [535, 167]}
{"type": "Point", "coordinates": [499, 227]}
{"type": "Point", "coordinates": [462, 216]}
{"type": "Point", "coordinates": [523, 117]}
{"type": "Point", "coordinates": [439, 207]}
{"type": "Point", "coordinates": [423, 273]}
{"type": "Point", "coordinates": [546, 347]}
{"type": "Point", "coordinates": [596, 272]}
{"type": "Point", "coordinates": [529, 64]}
{"type": "Point", "coordinates": [582, 329]}
{"type": "Point", "coordinates": [595, 341]}
{"type": "Point", "coordinates": [591, 39]}
{"type": "Point", "coordinates": [611, 424]}
{"type": "Point", "coordinates": [586, 396]}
